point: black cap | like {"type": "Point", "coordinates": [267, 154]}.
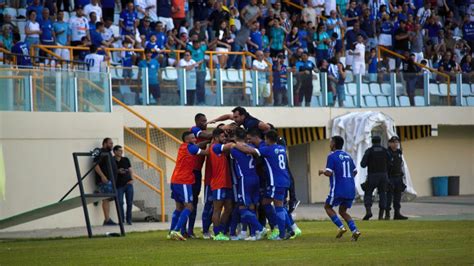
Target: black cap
{"type": "Point", "coordinates": [394, 138]}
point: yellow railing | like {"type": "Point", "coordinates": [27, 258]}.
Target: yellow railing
{"type": "Point", "coordinates": [448, 78]}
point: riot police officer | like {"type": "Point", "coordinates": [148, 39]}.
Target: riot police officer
{"type": "Point", "coordinates": [395, 177]}
{"type": "Point", "coordinates": [376, 159]}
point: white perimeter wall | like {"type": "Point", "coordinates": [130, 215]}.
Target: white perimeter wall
{"type": "Point", "coordinates": [38, 149]}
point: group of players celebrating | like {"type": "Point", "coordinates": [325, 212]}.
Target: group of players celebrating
{"type": "Point", "coordinates": [247, 181]}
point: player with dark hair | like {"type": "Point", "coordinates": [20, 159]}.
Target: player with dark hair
{"type": "Point", "coordinates": [182, 181]}
{"type": "Point", "coordinates": [341, 170]}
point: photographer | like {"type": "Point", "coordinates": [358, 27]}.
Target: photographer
{"type": "Point", "coordinates": [124, 182]}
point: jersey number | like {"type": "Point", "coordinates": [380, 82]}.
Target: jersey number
{"type": "Point", "coordinates": [90, 62]}
{"type": "Point", "coordinates": [251, 166]}
{"type": "Point", "coordinates": [346, 169]}
{"type": "Point", "coordinates": [281, 161]}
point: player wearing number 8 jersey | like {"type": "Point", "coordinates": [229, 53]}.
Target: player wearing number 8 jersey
{"type": "Point", "coordinates": [341, 170]}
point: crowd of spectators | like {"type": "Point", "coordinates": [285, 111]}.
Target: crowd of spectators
{"type": "Point", "coordinates": [437, 33]}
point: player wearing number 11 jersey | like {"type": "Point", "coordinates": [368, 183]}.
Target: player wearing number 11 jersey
{"type": "Point", "coordinates": [341, 170]}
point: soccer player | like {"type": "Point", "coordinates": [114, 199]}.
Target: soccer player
{"type": "Point", "coordinates": [248, 188]}
{"type": "Point", "coordinates": [181, 183]}
{"type": "Point", "coordinates": [340, 168]}
{"type": "Point", "coordinates": [199, 131]}
{"type": "Point", "coordinates": [278, 182]}
{"type": "Point", "coordinates": [221, 183]}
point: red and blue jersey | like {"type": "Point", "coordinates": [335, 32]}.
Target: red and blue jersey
{"type": "Point", "coordinates": [220, 168]}
{"type": "Point", "coordinates": [183, 171]}
{"type": "Point", "coordinates": [341, 182]}
{"type": "Point", "coordinates": [275, 160]}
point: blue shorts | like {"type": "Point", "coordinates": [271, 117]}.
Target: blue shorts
{"type": "Point", "coordinates": [276, 193]}
{"type": "Point", "coordinates": [182, 193]}
{"type": "Point", "coordinates": [222, 194]}
{"type": "Point", "coordinates": [333, 202]}
{"type": "Point", "coordinates": [106, 187]}
{"type": "Point", "coordinates": [207, 193]}
{"type": "Point", "coordinates": [249, 194]}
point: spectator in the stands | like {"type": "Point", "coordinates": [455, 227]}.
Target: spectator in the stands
{"type": "Point", "coordinates": [197, 29]}
{"type": "Point", "coordinates": [292, 40]}
{"type": "Point", "coordinates": [432, 27]}
{"type": "Point", "coordinates": [321, 41]}
{"type": "Point", "coordinates": [164, 13]}
{"type": "Point", "coordinates": [65, 5]}
{"type": "Point", "coordinates": [468, 31]}
{"type": "Point", "coordinates": [37, 7]}
{"type": "Point", "coordinates": [305, 68]}
{"type": "Point", "coordinates": [79, 27]}
{"type": "Point", "coordinates": [32, 31]}
{"type": "Point", "coordinates": [95, 61]}
{"type": "Point", "coordinates": [61, 31]}
{"type": "Point", "coordinates": [160, 35]}
{"type": "Point", "coordinates": [386, 32]}
{"type": "Point", "coordinates": [6, 38]}
{"type": "Point", "coordinates": [335, 46]}
{"type": "Point", "coordinates": [367, 25]}
{"type": "Point", "coordinates": [129, 21]}
{"type": "Point", "coordinates": [178, 12]}
{"type": "Point", "coordinates": [351, 39]}
{"type": "Point", "coordinates": [261, 67]}
{"type": "Point", "coordinates": [7, 20]}
{"type": "Point", "coordinates": [224, 42]}
{"type": "Point", "coordinates": [197, 50]}
{"type": "Point", "coordinates": [411, 75]}
{"type": "Point", "coordinates": [92, 22]}
{"type": "Point", "coordinates": [96, 36]}
{"type": "Point", "coordinates": [309, 13]}
{"type": "Point", "coordinates": [153, 67]}
{"type": "Point", "coordinates": [145, 30]}
{"type": "Point", "coordinates": [352, 15]}
{"type": "Point", "coordinates": [277, 37]}
{"type": "Point", "coordinates": [218, 15]}
{"type": "Point", "coordinates": [280, 71]}
{"type": "Point", "coordinates": [128, 59]}
{"type": "Point", "coordinates": [402, 42]}
{"type": "Point", "coordinates": [124, 183]}
{"type": "Point", "coordinates": [47, 36]}
{"type": "Point", "coordinates": [417, 42]}
{"type": "Point", "coordinates": [358, 54]}
{"type": "Point", "coordinates": [108, 8]}
{"type": "Point", "coordinates": [372, 63]}
{"type": "Point", "coordinates": [21, 51]}
{"type": "Point", "coordinates": [190, 65]}
{"type": "Point", "coordinates": [93, 6]}
{"type": "Point", "coordinates": [335, 24]}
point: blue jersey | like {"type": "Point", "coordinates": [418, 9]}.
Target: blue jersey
{"type": "Point", "coordinates": [245, 165]}
{"type": "Point", "coordinates": [127, 57]}
{"type": "Point", "coordinates": [275, 164]}
{"type": "Point", "coordinates": [153, 47]}
{"type": "Point", "coordinates": [153, 68]}
{"type": "Point", "coordinates": [23, 54]}
{"type": "Point", "coordinates": [160, 39]}
{"type": "Point", "coordinates": [302, 36]}
{"type": "Point", "coordinates": [257, 38]}
{"type": "Point", "coordinates": [128, 19]}
{"type": "Point", "coordinates": [46, 31]}
{"type": "Point", "coordinates": [341, 182]}
{"type": "Point", "coordinates": [96, 39]}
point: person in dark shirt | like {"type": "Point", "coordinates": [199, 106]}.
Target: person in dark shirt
{"type": "Point", "coordinates": [124, 182]}
{"type": "Point", "coordinates": [402, 42]}
{"type": "Point", "coordinates": [217, 16]}
{"type": "Point", "coordinates": [411, 70]}
{"type": "Point", "coordinates": [376, 159]}
{"type": "Point", "coordinates": [102, 179]}
{"type": "Point", "coordinates": [395, 176]}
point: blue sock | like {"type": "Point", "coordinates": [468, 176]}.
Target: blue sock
{"type": "Point", "coordinates": [250, 218]}
{"type": "Point", "coordinates": [174, 219]}
{"type": "Point", "coordinates": [192, 220]}
{"type": "Point", "coordinates": [206, 217]}
{"type": "Point", "coordinates": [336, 221]}
{"type": "Point", "coordinates": [271, 214]}
{"type": "Point", "coordinates": [234, 221]}
{"type": "Point", "coordinates": [217, 229]}
{"type": "Point", "coordinates": [281, 220]}
{"type": "Point", "coordinates": [352, 225]}
{"type": "Point", "coordinates": [183, 217]}
{"type": "Point", "coordinates": [289, 221]}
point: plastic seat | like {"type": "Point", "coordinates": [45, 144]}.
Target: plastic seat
{"type": "Point", "coordinates": [370, 101]}
{"type": "Point", "coordinates": [233, 75]}
{"type": "Point", "coordinates": [420, 101]}
{"type": "Point", "coordinates": [466, 89]}
{"type": "Point", "coordinates": [10, 11]}
{"type": "Point", "coordinates": [352, 89]}
{"type": "Point", "coordinates": [349, 102]}
{"type": "Point", "coordinates": [382, 101]}
{"type": "Point", "coordinates": [386, 89]}
{"type": "Point", "coordinates": [22, 12]}
{"type": "Point", "coordinates": [171, 74]}
{"type": "Point", "coordinates": [364, 89]}
{"type": "Point", "coordinates": [375, 89]}
{"type": "Point", "coordinates": [443, 89]}
{"type": "Point", "coordinates": [434, 89]}
{"type": "Point", "coordinates": [404, 101]}
{"type": "Point", "coordinates": [470, 101]}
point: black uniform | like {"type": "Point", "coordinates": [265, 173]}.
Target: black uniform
{"type": "Point", "coordinates": [377, 160]}
{"type": "Point", "coordinates": [396, 185]}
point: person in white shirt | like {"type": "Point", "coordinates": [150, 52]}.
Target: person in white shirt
{"type": "Point", "coordinates": [146, 8]}
{"type": "Point", "coordinates": [79, 27]}
{"type": "Point", "coordinates": [358, 54]}
{"type": "Point", "coordinates": [94, 61]}
{"type": "Point", "coordinates": [424, 13]}
{"type": "Point", "coordinates": [329, 6]}
{"type": "Point", "coordinates": [190, 66]}
{"type": "Point", "coordinates": [261, 66]}
{"type": "Point", "coordinates": [93, 7]}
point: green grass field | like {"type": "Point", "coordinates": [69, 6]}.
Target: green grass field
{"type": "Point", "coordinates": [387, 242]}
